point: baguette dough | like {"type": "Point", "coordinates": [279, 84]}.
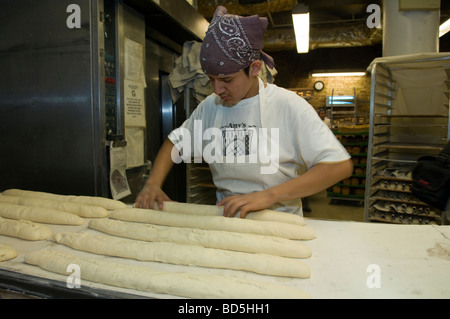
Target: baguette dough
{"type": "Point", "coordinates": [24, 229]}
{"type": "Point", "coordinates": [276, 216]}
{"type": "Point", "coordinates": [192, 209]}
{"type": "Point", "coordinates": [176, 284]}
{"type": "Point", "coordinates": [250, 243]}
{"type": "Point", "coordinates": [106, 203]}
{"type": "Point", "coordinates": [211, 210]}
{"type": "Point", "coordinates": [81, 210]}
{"type": "Point", "coordinates": [239, 225]}
{"type": "Point", "coordinates": [184, 254]}
{"type": "Point", "coordinates": [39, 215]}
{"type": "Point", "coordinates": [7, 252]}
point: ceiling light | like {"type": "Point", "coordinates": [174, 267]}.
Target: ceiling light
{"type": "Point", "coordinates": [327, 74]}
{"type": "Point", "coordinates": [300, 18]}
{"type": "Point", "coordinates": [444, 28]}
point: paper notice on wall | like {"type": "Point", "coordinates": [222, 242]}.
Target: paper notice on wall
{"type": "Point", "coordinates": [134, 103]}
{"type": "Point", "coordinates": [118, 177]}
{"type": "Point", "coordinates": [134, 61]}
{"type": "Point", "coordinates": [135, 146]}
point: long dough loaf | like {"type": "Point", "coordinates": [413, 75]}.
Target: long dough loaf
{"type": "Point", "coordinates": [39, 215]}
{"type": "Point", "coordinates": [251, 243]}
{"type": "Point", "coordinates": [175, 284]}
{"type": "Point", "coordinates": [107, 203]}
{"type": "Point", "coordinates": [192, 209]}
{"type": "Point", "coordinates": [81, 210]}
{"type": "Point", "coordinates": [211, 210]}
{"type": "Point", "coordinates": [184, 254]}
{"type": "Point", "coordinates": [276, 216]}
{"type": "Point", "coordinates": [239, 225]}
{"type": "Point", "coordinates": [24, 229]}
{"type": "Point", "coordinates": [7, 252]}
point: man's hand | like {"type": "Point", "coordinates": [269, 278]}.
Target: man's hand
{"type": "Point", "coordinates": [152, 191]}
{"type": "Point", "coordinates": [319, 177]}
{"type": "Point", "coordinates": [148, 195]}
{"type": "Point", "coordinates": [246, 203]}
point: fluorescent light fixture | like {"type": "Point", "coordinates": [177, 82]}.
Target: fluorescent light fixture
{"type": "Point", "coordinates": [340, 100]}
{"type": "Point", "coordinates": [328, 74]}
{"type": "Point", "coordinates": [444, 28]}
{"type": "Point", "coordinates": [343, 97]}
{"type": "Point", "coordinates": [300, 18]}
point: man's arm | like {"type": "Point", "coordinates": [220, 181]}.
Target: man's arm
{"type": "Point", "coordinates": [152, 190]}
{"type": "Point", "coordinates": [318, 178]}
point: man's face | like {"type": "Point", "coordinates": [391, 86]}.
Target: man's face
{"type": "Point", "coordinates": [235, 87]}
{"type": "Point", "coordinates": [322, 114]}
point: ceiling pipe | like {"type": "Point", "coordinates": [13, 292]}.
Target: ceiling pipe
{"type": "Point", "coordinates": [207, 7]}
{"type": "Point", "coordinates": [279, 37]}
{"type": "Point", "coordinates": [337, 36]}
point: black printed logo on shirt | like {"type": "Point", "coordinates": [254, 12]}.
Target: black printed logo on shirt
{"type": "Point", "coordinates": [237, 139]}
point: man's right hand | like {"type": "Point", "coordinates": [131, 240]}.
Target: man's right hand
{"type": "Point", "coordinates": [152, 191]}
{"type": "Point", "coordinates": [150, 194]}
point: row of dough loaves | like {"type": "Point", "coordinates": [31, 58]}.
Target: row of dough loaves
{"type": "Point", "coordinates": [51, 208]}
{"type": "Point", "coordinates": [181, 284]}
{"type": "Point", "coordinates": [184, 234]}
{"type": "Point", "coordinates": [22, 212]}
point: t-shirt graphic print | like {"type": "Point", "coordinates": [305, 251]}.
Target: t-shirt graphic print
{"type": "Point", "coordinates": [239, 139]}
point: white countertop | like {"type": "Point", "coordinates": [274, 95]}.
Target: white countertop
{"type": "Point", "coordinates": [407, 261]}
{"type": "Point", "coordinates": [413, 260]}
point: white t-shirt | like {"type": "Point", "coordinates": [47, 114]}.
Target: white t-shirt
{"type": "Point", "coordinates": [304, 139]}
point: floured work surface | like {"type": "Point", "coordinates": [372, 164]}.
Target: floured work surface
{"type": "Point", "coordinates": [349, 260]}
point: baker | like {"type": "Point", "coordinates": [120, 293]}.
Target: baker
{"type": "Point", "coordinates": [267, 132]}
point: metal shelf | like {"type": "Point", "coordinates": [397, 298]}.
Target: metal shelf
{"type": "Point", "coordinates": [410, 146]}
{"type": "Point", "coordinates": [352, 188]}
{"type": "Point", "coordinates": [392, 149]}
{"type": "Point", "coordinates": [342, 108]}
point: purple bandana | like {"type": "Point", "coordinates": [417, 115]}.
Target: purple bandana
{"type": "Point", "coordinates": [232, 43]}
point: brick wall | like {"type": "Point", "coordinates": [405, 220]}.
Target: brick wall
{"type": "Point", "coordinates": [340, 86]}
{"type": "Point", "coordinates": [294, 72]}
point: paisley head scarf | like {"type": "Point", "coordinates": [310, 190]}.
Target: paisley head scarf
{"type": "Point", "coordinates": [232, 43]}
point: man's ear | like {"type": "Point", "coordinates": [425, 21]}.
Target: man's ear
{"type": "Point", "coordinates": [255, 67]}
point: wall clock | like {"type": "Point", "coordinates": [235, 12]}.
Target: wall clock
{"type": "Point", "coordinates": [319, 85]}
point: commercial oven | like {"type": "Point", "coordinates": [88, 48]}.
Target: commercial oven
{"type": "Point", "coordinates": [82, 89]}
{"type": "Point", "coordinates": [60, 98]}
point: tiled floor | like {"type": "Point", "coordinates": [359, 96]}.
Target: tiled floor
{"type": "Point", "coordinates": [323, 208]}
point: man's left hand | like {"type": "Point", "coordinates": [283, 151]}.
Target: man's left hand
{"type": "Point", "coordinates": [246, 203]}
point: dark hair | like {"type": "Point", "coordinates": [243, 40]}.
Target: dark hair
{"type": "Point", "coordinates": [247, 70]}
